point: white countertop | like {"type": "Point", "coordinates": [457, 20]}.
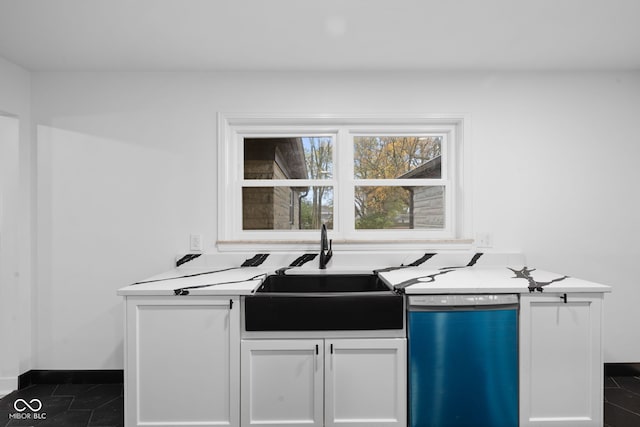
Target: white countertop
{"type": "Point", "coordinates": [472, 280]}
{"type": "Point", "coordinates": [200, 281]}
{"type": "Point", "coordinates": [441, 273]}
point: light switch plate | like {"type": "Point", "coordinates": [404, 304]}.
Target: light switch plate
{"type": "Point", "coordinates": [195, 242]}
{"type": "Point", "coordinates": [484, 240]}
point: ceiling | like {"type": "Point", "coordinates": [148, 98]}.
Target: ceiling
{"type": "Point", "coordinates": [202, 35]}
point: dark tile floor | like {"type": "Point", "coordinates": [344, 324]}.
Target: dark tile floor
{"type": "Point", "coordinates": [622, 401]}
{"type": "Point", "coordinates": [64, 405]}
{"type": "Point", "coordinates": [101, 405]}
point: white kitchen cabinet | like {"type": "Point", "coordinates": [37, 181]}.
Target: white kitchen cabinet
{"type": "Point", "coordinates": [182, 361]}
{"type": "Point", "coordinates": [332, 382]}
{"type": "Point", "coordinates": [282, 382]}
{"type": "Point", "coordinates": [365, 382]}
{"type": "Point", "coordinates": [561, 370]}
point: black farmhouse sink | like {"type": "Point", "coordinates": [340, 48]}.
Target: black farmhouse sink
{"type": "Point", "coordinates": [322, 283]}
{"type": "Point", "coordinates": [323, 302]}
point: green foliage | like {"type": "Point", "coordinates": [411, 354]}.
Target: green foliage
{"type": "Point", "coordinates": [381, 207]}
{"type": "Point", "coordinates": [319, 162]}
{"type": "Point", "coordinates": [374, 221]}
{"type": "Point", "coordinates": [375, 157]}
{"type": "Point", "coordinates": [306, 215]}
{"type": "Point", "coordinates": [388, 157]}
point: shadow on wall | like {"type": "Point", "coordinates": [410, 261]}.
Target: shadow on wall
{"type": "Point", "coordinates": [107, 216]}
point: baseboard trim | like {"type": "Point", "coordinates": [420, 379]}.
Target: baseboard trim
{"type": "Point", "coordinates": [621, 369]}
{"type": "Point", "coordinates": [47, 376]}
{"type": "Point", "coordinates": [116, 376]}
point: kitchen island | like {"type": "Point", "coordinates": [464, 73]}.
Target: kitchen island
{"type": "Point", "coordinates": [185, 340]}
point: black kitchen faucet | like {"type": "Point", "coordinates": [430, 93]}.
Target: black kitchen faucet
{"type": "Point", "coordinates": [325, 245]}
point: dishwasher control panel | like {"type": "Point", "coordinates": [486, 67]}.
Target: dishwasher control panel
{"type": "Point", "coordinates": [463, 300]}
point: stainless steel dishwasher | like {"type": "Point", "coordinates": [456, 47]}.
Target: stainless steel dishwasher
{"type": "Point", "coordinates": [463, 360]}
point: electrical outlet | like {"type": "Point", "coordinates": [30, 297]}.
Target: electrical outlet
{"type": "Point", "coordinates": [484, 240]}
{"type": "Point", "coordinates": [195, 242]}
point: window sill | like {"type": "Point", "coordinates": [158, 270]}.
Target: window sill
{"type": "Point", "coordinates": [344, 245]}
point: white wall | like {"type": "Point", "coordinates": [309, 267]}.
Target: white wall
{"type": "Point", "coordinates": [127, 170]}
{"type": "Point", "coordinates": [15, 224]}
{"type": "Point", "coordinates": [9, 259]}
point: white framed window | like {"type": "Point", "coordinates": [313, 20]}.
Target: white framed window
{"type": "Point", "coordinates": [367, 177]}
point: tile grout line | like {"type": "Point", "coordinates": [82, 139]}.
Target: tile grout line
{"type": "Point", "coordinates": [635, 397]}
{"type": "Point", "coordinates": [623, 408]}
{"type": "Point", "coordinates": [635, 393]}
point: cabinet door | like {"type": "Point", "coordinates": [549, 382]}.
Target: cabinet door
{"type": "Point", "coordinates": [365, 382]}
{"type": "Point", "coordinates": [182, 361]}
{"type": "Point", "coordinates": [282, 382]}
{"type": "Point", "coordinates": [561, 360]}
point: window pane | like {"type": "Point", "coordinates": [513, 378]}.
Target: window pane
{"type": "Point", "coordinates": [305, 157]}
{"type": "Point", "coordinates": [382, 208]}
{"type": "Point", "coordinates": [391, 157]}
{"type": "Point", "coordinates": [287, 208]}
